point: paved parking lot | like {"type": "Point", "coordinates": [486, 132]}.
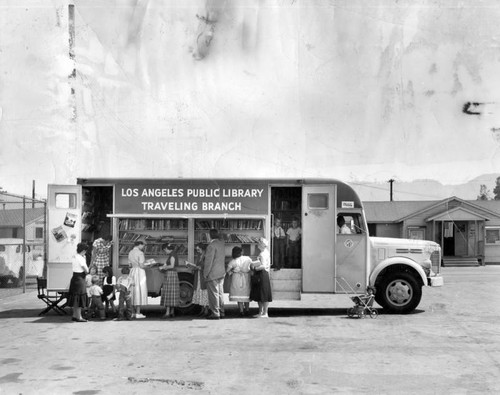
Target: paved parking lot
{"type": "Point", "coordinates": [450, 345]}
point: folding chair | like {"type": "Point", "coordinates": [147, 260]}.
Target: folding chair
{"type": "Point", "coordinates": [51, 298]}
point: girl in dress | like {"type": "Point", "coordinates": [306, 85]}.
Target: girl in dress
{"type": "Point", "coordinates": [108, 289]}
{"type": "Point", "coordinates": [261, 284]}
{"type": "Point", "coordinates": [239, 270]}
{"type": "Point", "coordinates": [170, 293]}
{"type": "Point", "coordinates": [200, 294]}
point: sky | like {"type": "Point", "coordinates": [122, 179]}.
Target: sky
{"type": "Point", "coordinates": [362, 91]}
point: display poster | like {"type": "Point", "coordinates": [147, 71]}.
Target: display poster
{"type": "Point", "coordinates": [192, 197]}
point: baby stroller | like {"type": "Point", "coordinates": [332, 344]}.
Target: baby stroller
{"type": "Point", "coordinates": [363, 305]}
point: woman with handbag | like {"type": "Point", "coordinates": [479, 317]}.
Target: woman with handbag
{"type": "Point", "coordinates": [261, 283]}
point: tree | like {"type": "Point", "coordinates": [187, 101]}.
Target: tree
{"type": "Point", "coordinates": [484, 193]}
{"type": "Point", "coordinates": [496, 190]}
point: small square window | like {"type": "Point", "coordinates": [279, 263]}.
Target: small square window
{"type": "Point", "coordinates": [317, 201]}
{"type": "Point", "coordinates": [492, 235]}
{"type": "Point", "coordinates": [65, 200]}
{"type": "Point", "coordinates": [38, 233]}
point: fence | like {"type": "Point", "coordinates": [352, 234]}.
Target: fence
{"type": "Point", "coordinates": [23, 242]}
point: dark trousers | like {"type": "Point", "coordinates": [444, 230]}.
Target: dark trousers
{"type": "Point", "coordinates": [294, 255]}
{"type": "Point", "coordinates": [279, 246]}
{"type": "Point", "coordinates": [97, 308]}
{"type": "Point", "coordinates": [125, 305]}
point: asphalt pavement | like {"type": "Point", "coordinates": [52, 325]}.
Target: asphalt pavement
{"type": "Point", "coordinates": [449, 345]}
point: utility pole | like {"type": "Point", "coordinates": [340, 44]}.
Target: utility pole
{"type": "Point", "coordinates": [33, 195]}
{"type": "Point", "coordinates": [391, 181]}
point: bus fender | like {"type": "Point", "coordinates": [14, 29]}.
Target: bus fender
{"type": "Point", "coordinates": [397, 261]}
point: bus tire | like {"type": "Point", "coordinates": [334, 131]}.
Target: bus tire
{"type": "Point", "coordinates": [186, 290]}
{"type": "Point", "coordinates": [399, 293]}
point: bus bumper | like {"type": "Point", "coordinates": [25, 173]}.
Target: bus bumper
{"type": "Point", "coordinates": [435, 281]}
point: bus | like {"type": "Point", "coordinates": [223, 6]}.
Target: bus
{"type": "Point", "coordinates": [323, 258]}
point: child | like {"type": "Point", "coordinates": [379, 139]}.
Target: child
{"type": "Point", "coordinates": [294, 235]}
{"type": "Point", "coordinates": [108, 288]}
{"type": "Point", "coordinates": [88, 278]}
{"type": "Point", "coordinates": [96, 302]}
{"type": "Point", "coordinates": [124, 285]}
{"type": "Point", "coordinates": [88, 282]}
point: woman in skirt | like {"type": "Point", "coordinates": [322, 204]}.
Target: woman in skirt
{"type": "Point", "coordinates": [139, 291]}
{"type": "Point", "coordinates": [261, 284]}
{"type": "Point", "coordinates": [239, 290]}
{"type": "Point", "coordinates": [77, 294]}
{"type": "Point", "coordinates": [170, 297]}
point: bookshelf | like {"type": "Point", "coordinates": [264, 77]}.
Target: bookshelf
{"type": "Point", "coordinates": [234, 232]}
{"type": "Point", "coordinates": [286, 204]}
{"type": "Point", "coordinates": [154, 233]}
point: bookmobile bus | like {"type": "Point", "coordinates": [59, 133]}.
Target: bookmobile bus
{"type": "Point", "coordinates": [182, 211]}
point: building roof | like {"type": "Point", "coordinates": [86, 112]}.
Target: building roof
{"type": "Point", "coordinates": [14, 218]}
{"type": "Point", "coordinates": [397, 211]}
{"type": "Point", "coordinates": [385, 212]}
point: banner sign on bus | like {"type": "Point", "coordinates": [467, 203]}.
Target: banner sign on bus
{"type": "Point", "coordinates": [193, 197]}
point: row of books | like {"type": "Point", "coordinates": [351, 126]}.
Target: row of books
{"type": "Point", "coordinates": [153, 224]}
{"type": "Point", "coordinates": [152, 249]}
{"type": "Point", "coordinates": [230, 238]}
{"type": "Point", "coordinates": [286, 205]}
{"type": "Point", "coordinates": [228, 224]}
{"type": "Point", "coordinates": [130, 237]}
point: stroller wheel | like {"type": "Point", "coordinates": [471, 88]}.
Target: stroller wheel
{"type": "Point", "coordinates": [373, 313]}
{"type": "Point", "coordinates": [350, 312]}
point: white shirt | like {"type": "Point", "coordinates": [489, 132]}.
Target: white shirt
{"type": "Point", "coordinates": [345, 230]}
{"type": "Point", "coordinates": [279, 232]}
{"type": "Point", "coordinates": [294, 234]}
{"type": "Point", "coordinates": [79, 264]}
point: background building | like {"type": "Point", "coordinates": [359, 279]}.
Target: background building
{"type": "Point", "coordinates": [468, 231]}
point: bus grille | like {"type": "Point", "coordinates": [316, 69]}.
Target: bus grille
{"type": "Point", "coordinates": [436, 261]}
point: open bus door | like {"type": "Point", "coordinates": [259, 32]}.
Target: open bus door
{"type": "Point", "coordinates": [64, 215]}
{"type": "Point", "coordinates": [318, 238]}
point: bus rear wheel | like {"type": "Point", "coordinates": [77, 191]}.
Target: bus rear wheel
{"type": "Point", "coordinates": [399, 293]}
{"type": "Point", "coordinates": [186, 294]}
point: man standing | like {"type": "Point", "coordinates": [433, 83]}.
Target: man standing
{"type": "Point", "coordinates": [214, 272]}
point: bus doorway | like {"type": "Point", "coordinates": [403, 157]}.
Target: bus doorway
{"type": "Point", "coordinates": [286, 204]}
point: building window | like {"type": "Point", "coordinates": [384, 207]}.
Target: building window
{"type": "Point", "coordinates": [416, 233]}
{"type": "Point", "coordinates": [38, 233]}
{"type": "Point", "coordinates": [492, 235]}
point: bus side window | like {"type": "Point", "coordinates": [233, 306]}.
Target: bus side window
{"type": "Point", "coordinates": [353, 221]}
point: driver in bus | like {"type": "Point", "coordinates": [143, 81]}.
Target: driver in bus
{"type": "Point", "coordinates": [343, 228]}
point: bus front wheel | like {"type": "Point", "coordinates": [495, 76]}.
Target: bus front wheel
{"type": "Point", "coordinates": [399, 293]}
